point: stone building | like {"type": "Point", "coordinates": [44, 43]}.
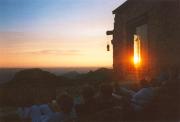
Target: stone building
{"type": "Point", "coordinates": [146, 37]}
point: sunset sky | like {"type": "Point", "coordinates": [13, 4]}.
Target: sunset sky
{"type": "Point", "coordinates": [56, 33]}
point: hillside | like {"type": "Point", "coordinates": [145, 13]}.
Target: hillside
{"type": "Point", "coordinates": [35, 77]}
{"type": "Point", "coordinates": [33, 82]}
{"type": "Point", "coordinates": [39, 77]}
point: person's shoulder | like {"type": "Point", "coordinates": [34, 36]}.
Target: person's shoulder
{"type": "Point", "coordinates": [35, 107]}
{"type": "Point", "coordinates": [140, 92]}
{"type": "Point", "coordinates": [148, 89]}
{"type": "Point", "coordinates": [144, 89]}
{"type": "Point", "coordinates": [43, 105]}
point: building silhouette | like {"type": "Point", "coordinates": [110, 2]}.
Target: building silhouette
{"type": "Point", "coordinates": [146, 37]}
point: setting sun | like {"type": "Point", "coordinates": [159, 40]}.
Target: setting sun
{"type": "Point", "coordinates": [137, 51]}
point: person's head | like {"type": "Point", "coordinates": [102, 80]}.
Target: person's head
{"type": "Point", "coordinates": [87, 92]}
{"type": "Point", "coordinates": [65, 102]}
{"type": "Point", "coordinates": [106, 90]}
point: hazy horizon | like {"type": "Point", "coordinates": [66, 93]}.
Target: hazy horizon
{"type": "Point", "coordinates": [7, 74]}
{"type": "Point", "coordinates": [56, 67]}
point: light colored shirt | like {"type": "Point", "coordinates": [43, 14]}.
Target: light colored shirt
{"type": "Point", "coordinates": [128, 91]}
{"type": "Point", "coordinates": [62, 117]}
{"type": "Point", "coordinates": [141, 98]}
{"type": "Point", "coordinates": [46, 112]}
{"type": "Point", "coordinates": [35, 113]}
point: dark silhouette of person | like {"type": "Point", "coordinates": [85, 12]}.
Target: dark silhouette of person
{"type": "Point", "coordinates": [86, 109]}
{"type": "Point", "coordinates": [66, 112]}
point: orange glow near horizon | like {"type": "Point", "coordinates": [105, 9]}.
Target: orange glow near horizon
{"type": "Point", "coordinates": [48, 36]}
{"type": "Point", "coordinates": [57, 57]}
{"type": "Point", "coordinates": [137, 51]}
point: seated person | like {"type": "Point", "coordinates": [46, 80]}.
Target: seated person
{"type": "Point", "coordinates": [35, 113]}
{"type": "Point", "coordinates": [89, 104]}
{"type": "Point", "coordinates": [167, 102]}
{"type": "Point", "coordinates": [107, 99]}
{"type": "Point", "coordinates": [46, 112]}
{"type": "Point", "coordinates": [66, 113]}
{"type": "Point", "coordinates": [108, 105]}
{"type": "Point", "coordinates": [138, 100]}
{"type": "Point", "coordinates": [23, 113]}
{"type": "Point", "coordinates": [143, 97]}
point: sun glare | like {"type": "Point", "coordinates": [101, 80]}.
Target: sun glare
{"type": "Point", "coordinates": [137, 53]}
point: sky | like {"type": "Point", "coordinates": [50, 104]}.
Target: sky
{"type": "Point", "coordinates": [56, 33]}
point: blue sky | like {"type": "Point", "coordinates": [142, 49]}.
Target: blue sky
{"type": "Point", "coordinates": [21, 15]}
{"type": "Point", "coordinates": [66, 26]}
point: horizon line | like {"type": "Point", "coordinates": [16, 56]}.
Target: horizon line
{"type": "Point", "coordinates": [56, 67]}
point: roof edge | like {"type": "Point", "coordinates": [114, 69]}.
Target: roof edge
{"type": "Point", "coordinates": [120, 7]}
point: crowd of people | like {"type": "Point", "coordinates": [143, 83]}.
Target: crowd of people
{"type": "Point", "coordinates": [155, 99]}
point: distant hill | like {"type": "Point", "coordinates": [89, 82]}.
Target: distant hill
{"type": "Point", "coordinates": [37, 77]}
{"type": "Point", "coordinates": [71, 74]}
{"type": "Point", "coordinates": [6, 74]}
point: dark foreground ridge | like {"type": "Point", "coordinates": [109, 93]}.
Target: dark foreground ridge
{"type": "Point", "coordinates": [39, 81]}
